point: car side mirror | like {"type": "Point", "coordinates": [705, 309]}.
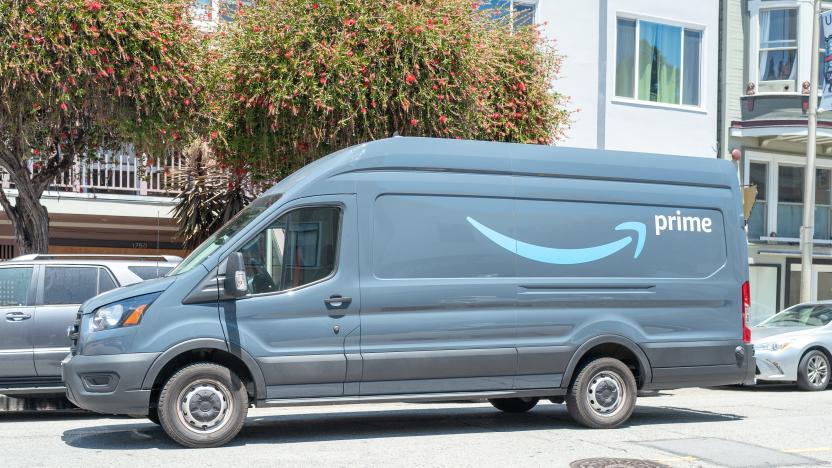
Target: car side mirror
{"type": "Point", "coordinates": [236, 282]}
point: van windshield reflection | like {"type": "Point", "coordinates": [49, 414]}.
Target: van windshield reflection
{"type": "Point", "coordinates": [229, 230]}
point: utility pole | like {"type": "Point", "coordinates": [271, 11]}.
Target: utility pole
{"type": "Point", "coordinates": [807, 230]}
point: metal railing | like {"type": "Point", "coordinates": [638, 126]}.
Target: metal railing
{"type": "Point", "coordinates": [116, 173]}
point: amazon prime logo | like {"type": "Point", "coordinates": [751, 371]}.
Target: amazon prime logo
{"type": "Point", "coordinates": [681, 223]}
{"type": "Point", "coordinates": [557, 256]}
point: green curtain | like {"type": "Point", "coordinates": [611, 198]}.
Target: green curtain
{"type": "Point", "coordinates": [659, 63]}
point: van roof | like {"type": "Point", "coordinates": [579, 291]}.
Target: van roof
{"type": "Point", "coordinates": [479, 157]}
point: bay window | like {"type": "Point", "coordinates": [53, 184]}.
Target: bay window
{"type": "Point", "coordinates": [657, 62]}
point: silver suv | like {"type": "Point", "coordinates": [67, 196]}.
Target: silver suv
{"type": "Point", "coordinates": [39, 300]}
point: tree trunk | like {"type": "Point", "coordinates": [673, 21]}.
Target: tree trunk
{"type": "Point", "coordinates": [30, 221]}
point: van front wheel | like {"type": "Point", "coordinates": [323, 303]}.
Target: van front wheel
{"type": "Point", "coordinates": [203, 405]}
{"type": "Point", "coordinates": [603, 394]}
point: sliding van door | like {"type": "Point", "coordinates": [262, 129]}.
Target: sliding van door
{"type": "Point", "coordinates": [438, 309]}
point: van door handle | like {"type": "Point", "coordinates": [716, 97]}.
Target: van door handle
{"type": "Point", "coordinates": [337, 301]}
{"type": "Point", "coordinates": [17, 316]}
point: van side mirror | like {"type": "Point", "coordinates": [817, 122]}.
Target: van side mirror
{"type": "Point", "coordinates": [236, 282]}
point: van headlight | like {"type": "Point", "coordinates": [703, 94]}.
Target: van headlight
{"type": "Point", "coordinates": [125, 313]}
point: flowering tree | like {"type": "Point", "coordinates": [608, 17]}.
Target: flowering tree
{"type": "Point", "coordinates": [81, 76]}
{"type": "Point", "coordinates": [292, 80]}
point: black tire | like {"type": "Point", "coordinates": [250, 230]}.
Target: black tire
{"type": "Point", "coordinates": [514, 405]}
{"type": "Point", "coordinates": [153, 416]}
{"type": "Point", "coordinates": [610, 379]}
{"type": "Point", "coordinates": [813, 371]}
{"type": "Point", "coordinates": [216, 399]}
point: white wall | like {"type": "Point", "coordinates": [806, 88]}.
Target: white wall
{"type": "Point", "coordinates": [628, 125]}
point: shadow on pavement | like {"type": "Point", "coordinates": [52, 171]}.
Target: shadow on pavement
{"type": "Point", "coordinates": [299, 428]}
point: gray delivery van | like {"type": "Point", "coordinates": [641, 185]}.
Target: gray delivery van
{"type": "Point", "coordinates": [415, 269]}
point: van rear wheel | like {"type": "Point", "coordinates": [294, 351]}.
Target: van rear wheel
{"type": "Point", "coordinates": [603, 395]}
{"type": "Point", "coordinates": [514, 405]}
{"type": "Point", "coordinates": [203, 405]}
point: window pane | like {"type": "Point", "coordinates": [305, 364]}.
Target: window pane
{"type": "Point", "coordinates": [777, 65]}
{"type": "Point", "coordinates": [625, 58]}
{"type": "Point", "coordinates": [105, 281]}
{"type": "Point", "coordinates": [758, 175]}
{"type": "Point", "coordinates": [790, 184]}
{"type": "Point", "coordinates": [659, 62]}
{"type": "Point", "coordinates": [69, 285]}
{"type": "Point", "coordinates": [298, 248]}
{"type": "Point", "coordinates": [778, 28]}
{"type": "Point", "coordinates": [690, 83]}
{"type": "Point", "coordinates": [523, 15]}
{"type": "Point", "coordinates": [822, 186]}
{"type": "Point", "coordinates": [14, 286]}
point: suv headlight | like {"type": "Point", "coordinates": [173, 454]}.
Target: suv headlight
{"type": "Point", "coordinates": [125, 313]}
{"type": "Point", "coordinates": [772, 346]}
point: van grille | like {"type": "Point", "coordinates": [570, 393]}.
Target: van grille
{"type": "Point", "coordinates": [74, 333]}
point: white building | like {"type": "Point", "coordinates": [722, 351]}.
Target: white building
{"type": "Point", "coordinates": [642, 74]}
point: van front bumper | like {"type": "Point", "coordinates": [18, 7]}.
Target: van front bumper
{"type": "Point", "coordinates": [110, 384]}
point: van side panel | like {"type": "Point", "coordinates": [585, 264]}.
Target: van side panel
{"type": "Point", "coordinates": [677, 295]}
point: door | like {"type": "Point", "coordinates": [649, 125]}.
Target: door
{"type": "Point", "coordinates": [438, 306]}
{"type": "Point", "coordinates": [65, 288]}
{"type": "Point", "coordinates": [16, 297]}
{"type": "Point", "coordinates": [303, 300]}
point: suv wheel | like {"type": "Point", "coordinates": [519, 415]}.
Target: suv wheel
{"type": "Point", "coordinates": [514, 405]}
{"type": "Point", "coordinates": [203, 405]}
{"type": "Point", "coordinates": [813, 372]}
{"type": "Point", "coordinates": [603, 394]}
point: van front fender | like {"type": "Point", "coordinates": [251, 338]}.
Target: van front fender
{"type": "Point", "coordinates": [207, 343]}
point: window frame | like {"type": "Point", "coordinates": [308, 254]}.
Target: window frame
{"type": "Point", "coordinates": [796, 47]}
{"type": "Point", "coordinates": [683, 26]}
{"type": "Point", "coordinates": [336, 265]}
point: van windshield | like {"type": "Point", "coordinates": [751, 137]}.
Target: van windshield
{"type": "Point", "coordinates": [229, 230]}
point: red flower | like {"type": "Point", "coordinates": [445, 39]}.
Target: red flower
{"type": "Point", "coordinates": [350, 22]}
{"type": "Point", "coordinates": [214, 135]}
{"type": "Point", "coordinates": [521, 86]}
{"type": "Point", "coordinates": [323, 80]}
{"type": "Point", "coordinates": [93, 5]}
{"type": "Point", "coordinates": [30, 10]}
{"type": "Point", "coordinates": [187, 101]}
{"type": "Point", "coordinates": [414, 122]}
{"type": "Point", "coordinates": [36, 151]}
{"type": "Point", "coordinates": [443, 119]}
{"type": "Point", "coordinates": [314, 6]}
{"type": "Point", "coordinates": [93, 51]}
{"type": "Point", "coordinates": [153, 68]}
{"type": "Point", "coordinates": [110, 70]}
{"type": "Point", "coordinates": [410, 78]}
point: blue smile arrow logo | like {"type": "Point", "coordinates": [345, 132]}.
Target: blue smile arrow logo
{"type": "Point", "coordinates": [566, 256]}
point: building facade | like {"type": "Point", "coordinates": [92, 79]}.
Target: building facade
{"type": "Point", "coordinates": [642, 74]}
{"type": "Point", "coordinates": [766, 121]}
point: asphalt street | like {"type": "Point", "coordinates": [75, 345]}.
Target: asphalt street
{"type": "Point", "coordinates": [759, 426]}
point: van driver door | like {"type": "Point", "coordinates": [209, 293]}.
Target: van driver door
{"type": "Point", "coordinates": [303, 301]}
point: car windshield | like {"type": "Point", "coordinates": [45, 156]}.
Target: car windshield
{"type": "Point", "coordinates": [809, 315]}
{"type": "Point", "coordinates": [231, 228]}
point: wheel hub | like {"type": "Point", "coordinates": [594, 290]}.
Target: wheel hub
{"type": "Point", "coordinates": [205, 406]}
{"type": "Point", "coordinates": [817, 370]}
{"type": "Point", "coordinates": [605, 393]}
